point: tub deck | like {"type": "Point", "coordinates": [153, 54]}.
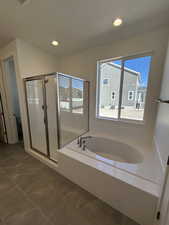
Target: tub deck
{"type": "Point", "coordinates": [127, 188]}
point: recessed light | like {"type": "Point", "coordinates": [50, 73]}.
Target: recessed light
{"type": "Point", "coordinates": [117, 22]}
{"type": "Point", "coordinates": [55, 43]}
{"type": "Point", "coordinates": [23, 2]}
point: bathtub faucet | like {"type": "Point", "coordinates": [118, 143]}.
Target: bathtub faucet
{"type": "Point", "coordinates": [81, 139]}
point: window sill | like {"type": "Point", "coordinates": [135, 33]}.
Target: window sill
{"type": "Point", "coordinates": [137, 122]}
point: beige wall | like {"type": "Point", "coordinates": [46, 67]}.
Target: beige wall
{"type": "Point", "coordinates": [29, 61]}
{"type": "Point", "coordinates": [83, 64]}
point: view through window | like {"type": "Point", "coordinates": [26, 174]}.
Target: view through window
{"type": "Point", "coordinates": [122, 88]}
{"type": "Point", "coordinates": [71, 94]}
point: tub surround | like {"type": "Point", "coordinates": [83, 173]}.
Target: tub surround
{"type": "Point", "coordinates": [132, 195]}
{"type": "Point", "coordinates": [114, 177]}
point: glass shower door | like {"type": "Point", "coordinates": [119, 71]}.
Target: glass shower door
{"type": "Point", "coordinates": [73, 108]}
{"type": "Point", "coordinates": [36, 115]}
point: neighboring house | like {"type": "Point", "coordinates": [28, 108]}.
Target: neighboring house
{"type": "Point", "coordinates": [70, 98]}
{"type": "Point", "coordinates": [133, 93]}
{"type": "Point", "coordinates": [142, 96]}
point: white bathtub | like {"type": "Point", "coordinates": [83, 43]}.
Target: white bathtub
{"type": "Point", "coordinates": [115, 172]}
{"type": "Point", "coordinates": [106, 149]}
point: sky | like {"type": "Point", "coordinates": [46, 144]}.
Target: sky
{"type": "Point", "coordinates": [141, 65]}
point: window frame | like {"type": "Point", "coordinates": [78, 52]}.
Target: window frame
{"type": "Point", "coordinates": [123, 59]}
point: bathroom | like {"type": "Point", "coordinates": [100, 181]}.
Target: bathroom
{"type": "Point", "coordinates": [117, 159]}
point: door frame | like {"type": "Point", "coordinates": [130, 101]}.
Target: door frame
{"type": "Point", "coordinates": [4, 122]}
{"type": "Point", "coordinates": [42, 78]}
{"type": "Point", "coordinates": [6, 97]}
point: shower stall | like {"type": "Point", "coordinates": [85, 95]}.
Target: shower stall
{"type": "Point", "coordinates": [57, 110]}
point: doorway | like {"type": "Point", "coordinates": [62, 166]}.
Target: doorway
{"type": "Point", "coordinates": [12, 100]}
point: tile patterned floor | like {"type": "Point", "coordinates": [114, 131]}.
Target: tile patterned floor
{"type": "Point", "coordinates": [33, 194]}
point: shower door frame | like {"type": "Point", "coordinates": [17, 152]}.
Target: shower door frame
{"type": "Point", "coordinates": [58, 112]}
{"type": "Point", "coordinates": [42, 78]}
{"type": "Point", "coordinates": [3, 121]}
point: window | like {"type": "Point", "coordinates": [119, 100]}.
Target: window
{"type": "Point", "coordinates": [105, 81]}
{"type": "Point", "coordinates": [141, 97]}
{"type": "Point", "coordinates": [113, 95]}
{"type": "Point", "coordinates": [128, 78]}
{"type": "Point", "coordinates": [131, 95]}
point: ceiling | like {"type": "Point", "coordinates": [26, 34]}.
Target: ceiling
{"type": "Point", "coordinates": [77, 24]}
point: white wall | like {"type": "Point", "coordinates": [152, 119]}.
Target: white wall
{"type": "Point", "coordinates": [162, 123]}
{"type": "Point", "coordinates": [162, 136]}
{"type": "Point", "coordinates": [33, 61]}
{"type": "Point", "coordinates": [29, 61]}
{"type": "Point", "coordinates": [83, 64]}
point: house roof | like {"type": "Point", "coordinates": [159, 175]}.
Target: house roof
{"type": "Point", "coordinates": [133, 72]}
{"type": "Point", "coordinates": [125, 68]}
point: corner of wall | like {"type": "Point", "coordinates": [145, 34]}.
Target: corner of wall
{"type": "Point", "coordinates": [158, 155]}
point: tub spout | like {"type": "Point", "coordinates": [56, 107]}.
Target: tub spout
{"type": "Point", "coordinates": [83, 138]}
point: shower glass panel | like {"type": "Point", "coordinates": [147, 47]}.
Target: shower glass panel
{"type": "Point", "coordinates": [77, 96]}
{"type": "Point", "coordinates": [73, 102]}
{"type": "Point", "coordinates": [64, 93]}
{"type": "Point", "coordinates": [35, 103]}
{"type": "Point", "coordinates": [51, 102]}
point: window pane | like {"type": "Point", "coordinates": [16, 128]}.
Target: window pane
{"type": "Point", "coordinates": [64, 93]}
{"type": "Point", "coordinates": [110, 74]}
{"type": "Point", "coordinates": [77, 96]}
{"type": "Point", "coordinates": [136, 72]}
